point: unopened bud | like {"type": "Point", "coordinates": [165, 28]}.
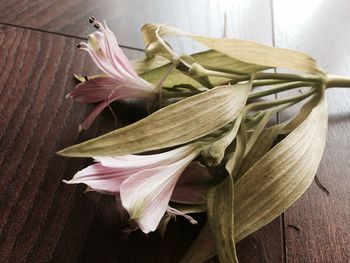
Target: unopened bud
{"type": "Point", "coordinates": [197, 70]}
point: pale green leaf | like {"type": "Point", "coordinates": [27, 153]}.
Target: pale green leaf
{"type": "Point", "coordinates": [247, 51]}
{"type": "Point", "coordinates": [278, 179]}
{"type": "Point", "coordinates": [258, 130]}
{"type": "Point", "coordinates": [221, 204]}
{"type": "Point", "coordinates": [221, 220]}
{"type": "Point", "coordinates": [260, 54]}
{"type": "Point", "coordinates": [179, 123]}
{"type": "Point", "coordinates": [146, 64]}
{"type": "Point", "coordinates": [264, 143]}
{"type": "Point", "coordinates": [163, 224]}
{"type": "Point", "coordinates": [208, 59]}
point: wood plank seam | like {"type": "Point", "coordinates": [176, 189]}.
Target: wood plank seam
{"type": "Point", "coordinates": [282, 219]}
{"type": "Point", "coordinates": [63, 34]}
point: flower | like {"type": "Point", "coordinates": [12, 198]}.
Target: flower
{"type": "Point", "coordinates": [146, 183]}
{"type": "Point", "coordinates": [121, 80]}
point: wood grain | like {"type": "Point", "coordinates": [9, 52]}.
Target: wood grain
{"type": "Point", "coordinates": [324, 221]}
{"type": "Point", "coordinates": [41, 219]}
{"type": "Point", "coordinates": [124, 17]}
{"type": "Point", "coordinates": [44, 220]}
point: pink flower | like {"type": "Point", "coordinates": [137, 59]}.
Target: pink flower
{"type": "Point", "coordinates": [146, 183]}
{"type": "Point", "coordinates": [121, 80]}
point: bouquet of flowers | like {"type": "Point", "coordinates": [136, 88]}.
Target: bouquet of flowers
{"type": "Point", "coordinates": [207, 143]}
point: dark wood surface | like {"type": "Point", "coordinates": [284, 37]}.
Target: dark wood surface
{"type": "Point", "coordinates": [44, 220]}
{"type": "Point", "coordinates": [323, 31]}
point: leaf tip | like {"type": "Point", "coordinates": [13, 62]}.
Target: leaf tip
{"type": "Point", "coordinates": [67, 152]}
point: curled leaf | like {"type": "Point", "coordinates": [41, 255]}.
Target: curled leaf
{"type": "Point", "coordinates": [264, 143]}
{"type": "Point", "coordinates": [246, 51]}
{"type": "Point", "coordinates": [221, 220]}
{"type": "Point", "coordinates": [146, 64]}
{"type": "Point", "coordinates": [278, 179]}
{"type": "Point", "coordinates": [179, 123]}
{"type": "Point", "coordinates": [208, 59]}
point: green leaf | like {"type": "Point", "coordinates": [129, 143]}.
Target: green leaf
{"type": "Point", "coordinates": [259, 54]}
{"type": "Point", "coordinates": [221, 204]}
{"type": "Point", "coordinates": [221, 220]}
{"type": "Point", "coordinates": [179, 123]}
{"type": "Point", "coordinates": [234, 160]}
{"type": "Point", "coordinates": [209, 59]}
{"type": "Point", "coordinates": [246, 51]}
{"type": "Point", "coordinates": [163, 224]}
{"type": "Point", "coordinates": [146, 64]}
{"type": "Point", "coordinates": [258, 130]}
{"type": "Point", "coordinates": [278, 179]}
{"type": "Point", "coordinates": [264, 143]}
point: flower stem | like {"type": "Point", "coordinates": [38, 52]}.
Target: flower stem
{"type": "Point", "coordinates": [278, 89]}
{"type": "Point", "coordinates": [289, 77]}
{"type": "Point", "coordinates": [265, 76]}
{"type": "Point", "coordinates": [261, 105]}
{"type": "Point", "coordinates": [258, 83]}
{"type": "Point", "coordinates": [334, 81]}
{"type": "Point", "coordinates": [159, 85]}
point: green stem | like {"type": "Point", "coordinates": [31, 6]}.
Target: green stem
{"type": "Point", "coordinates": [265, 76]}
{"type": "Point", "coordinates": [165, 46]}
{"type": "Point", "coordinates": [261, 105]}
{"type": "Point", "coordinates": [231, 71]}
{"type": "Point", "coordinates": [334, 81]}
{"type": "Point", "coordinates": [289, 77]}
{"type": "Point", "coordinates": [159, 85]}
{"type": "Point", "coordinates": [231, 134]}
{"type": "Point", "coordinates": [224, 75]}
{"type": "Point", "coordinates": [281, 88]}
{"type": "Point", "coordinates": [258, 83]}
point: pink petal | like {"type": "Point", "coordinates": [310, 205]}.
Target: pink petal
{"type": "Point", "coordinates": [140, 162]}
{"type": "Point", "coordinates": [104, 88]}
{"type": "Point", "coordinates": [100, 106]}
{"type": "Point", "coordinates": [193, 185]}
{"type": "Point", "coordinates": [93, 114]}
{"type": "Point", "coordinates": [105, 49]}
{"type": "Point", "coordinates": [102, 62]}
{"type": "Point", "coordinates": [146, 194]}
{"type": "Point", "coordinates": [114, 52]}
{"type": "Point", "coordinates": [100, 178]}
{"type": "Point", "coordinates": [94, 90]}
{"type": "Point", "coordinates": [109, 54]}
{"type": "Point", "coordinates": [109, 57]}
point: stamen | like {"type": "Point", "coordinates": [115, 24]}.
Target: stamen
{"type": "Point", "coordinates": [92, 19]}
{"type": "Point", "coordinates": [79, 45]}
{"type": "Point", "coordinates": [96, 25]}
{"type": "Point", "coordinates": [174, 212]}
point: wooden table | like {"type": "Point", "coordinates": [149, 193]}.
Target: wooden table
{"type": "Point", "coordinates": [44, 220]}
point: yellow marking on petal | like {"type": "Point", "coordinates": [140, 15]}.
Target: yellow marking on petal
{"type": "Point", "coordinates": [93, 43]}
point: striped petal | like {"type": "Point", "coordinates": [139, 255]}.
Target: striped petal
{"type": "Point", "coordinates": [146, 194]}
{"type": "Point", "coordinates": [100, 178]}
